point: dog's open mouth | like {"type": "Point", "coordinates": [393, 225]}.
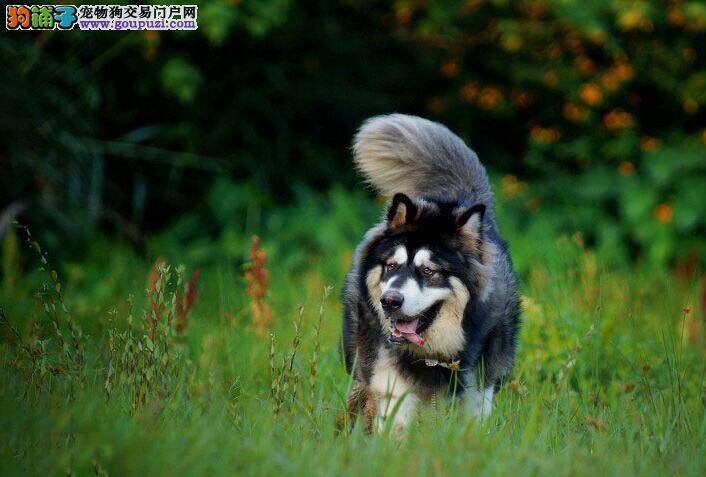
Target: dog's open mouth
{"type": "Point", "coordinates": [406, 331]}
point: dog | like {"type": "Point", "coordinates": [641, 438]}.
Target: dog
{"type": "Point", "coordinates": [430, 302]}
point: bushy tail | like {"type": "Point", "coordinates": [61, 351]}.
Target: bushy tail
{"type": "Point", "coordinates": [409, 154]}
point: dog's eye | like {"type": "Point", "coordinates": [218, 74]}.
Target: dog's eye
{"type": "Point", "coordinates": [427, 272]}
{"type": "Point", "coordinates": [391, 267]}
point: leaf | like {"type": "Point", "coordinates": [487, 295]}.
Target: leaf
{"type": "Point", "coordinates": [181, 79]}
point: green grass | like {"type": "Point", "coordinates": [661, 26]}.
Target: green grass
{"type": "Point", "coordinates": [609, 376]}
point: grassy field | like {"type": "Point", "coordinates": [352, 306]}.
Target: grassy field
{"type": "Point", "coordinates": [140, 376]}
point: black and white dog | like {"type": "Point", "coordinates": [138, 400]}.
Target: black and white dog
{"type": "Point", "coordinates": [431, 299]}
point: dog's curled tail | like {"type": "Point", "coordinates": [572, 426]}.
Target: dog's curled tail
{"type": "Point", "coordinates": [409, 154]}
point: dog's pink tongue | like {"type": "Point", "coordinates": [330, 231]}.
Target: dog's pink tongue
{"type": "Point", "coordinates": [409, 331]}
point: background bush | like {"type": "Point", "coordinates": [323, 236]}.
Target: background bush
{"type": "Point", "coordinates": [589, 114]}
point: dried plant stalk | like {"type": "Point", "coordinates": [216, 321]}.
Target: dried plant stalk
{"type": "Point", "coordinates": [256, 277]}
{"type": "Point", "coordinates": [314, 364]}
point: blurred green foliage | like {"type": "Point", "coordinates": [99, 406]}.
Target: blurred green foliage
{"type": "Point", "coordinates": [591, 116]}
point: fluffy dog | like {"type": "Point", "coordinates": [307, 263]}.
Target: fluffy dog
{"type": "Point", "coordinates": [431, 298]}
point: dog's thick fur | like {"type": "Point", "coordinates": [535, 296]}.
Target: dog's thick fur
{"type": "Point", "coordinates": [441, 214]}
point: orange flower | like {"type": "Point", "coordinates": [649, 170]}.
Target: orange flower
{"type": "Point", "coordinates": [544, 135]}
{"type": "Point", "coordinates": [152, 44]}
{"type": "Point", "coordinates": [575, 113]}
{"type": "Point", "coordinates": [511, 187]}
{"type": "Point", "coordinates": [610, 81]}
{"type": "Point", "coordinates": [624, 71]}
{"type": "Point", "coordinates": [535, 9]}
{"type": "Point", "coordinates": [469, 91]}
{"type": "Point", "coordinates": [690, 106]}
{"type": "Point", "coordinates": [633, 19]}
{"type": "Point", "coordinates": [648, 143]}
{"type": "Point", "coordinates": [618, 119]}
{"type": "Point", "coordinates": [596, 35]}
{"type": "Point", "coordinates": [585, 65]}
{"type": "Point", "coordinates": [512, 42]}
{"type": "Point", "coordinates": [591, 94]}
{"type": "Point", "coordinates": [676, 17]}
{"type": "Point", "coordinates": [575, 44]}
{"type": "Point", "coordinates": [450, 68]}
{"type": "Point", "coordinates": [551, 78]}
{"type": "Point", "coordinates": [490, 97]}
{"type": "Point", "coordinates": [403, 14]}
{"type": "Point", "coordinates": [533, 204]}
{"type": "Point", "coordinates": [522, 99]}
{"type": "Point", "coordinates": [664, 213]}
{"type": "Point", "coordinates": [626, 168]}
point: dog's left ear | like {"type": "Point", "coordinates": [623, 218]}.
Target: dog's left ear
{"type": "Point", "coordinates": [402, 211]}
{"type": "Point", "coordinates": [470, 227]}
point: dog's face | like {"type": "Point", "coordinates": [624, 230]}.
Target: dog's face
{"type": "Point", "coordinates": [420, 275]}
{"type": "Point", "coordinates": [412, 287]}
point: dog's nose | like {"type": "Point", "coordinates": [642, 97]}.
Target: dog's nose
{"type": "Point", "coordinates": [391, 300]}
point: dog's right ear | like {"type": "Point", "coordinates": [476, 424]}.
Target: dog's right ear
{"type": "Point", "coordinates": [402, 211]}
{"type": "Point", "coordinates": [469, 222]}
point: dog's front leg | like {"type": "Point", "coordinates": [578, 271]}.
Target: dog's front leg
{"type": "Point", "coordinates": [393, 394]}
{"type": "Point", "coordinates": [395, 408]}
{"type": "Point", "coordinates": [357, 400]}
{"type": "Point", "coordinates": [478, 397]}
{"type": "Point", "coordinates": [481, 402]}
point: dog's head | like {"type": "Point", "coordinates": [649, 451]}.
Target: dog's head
{"type": "Point", "coordinates": [426, 266]}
